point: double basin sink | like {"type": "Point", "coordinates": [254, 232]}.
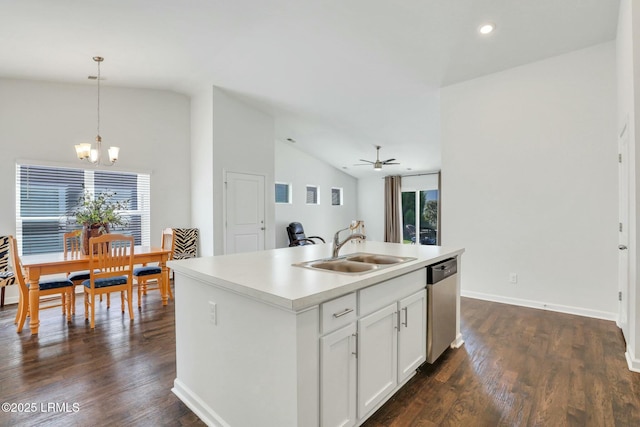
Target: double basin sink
{"type": "Point", "coordinates": [357, 263]}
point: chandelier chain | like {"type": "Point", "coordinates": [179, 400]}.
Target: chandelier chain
{"type": "Point", "coordinates": [98, 130]}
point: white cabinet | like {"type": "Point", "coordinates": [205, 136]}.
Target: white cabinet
{"type": "Point", "coordinates": [377, 355]}
{"type": "Point", "coordinates": [388, 333]}
{"type": "Point", "coordinates": [338, 377]}
{"type": "Point", "coordinates": [412, 334]}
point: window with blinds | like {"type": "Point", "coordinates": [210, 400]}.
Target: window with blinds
{"type": "Point", "coordinates": [312, 195]}
{"type": "Point", "coordinates": [47, 195]}
{"type": "Point", "coordinates": [336, 196]}
{"type": "Point", "coordinates": [283, 192]}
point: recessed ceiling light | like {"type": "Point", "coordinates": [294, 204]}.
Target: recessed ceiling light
{"type": "Point", "coordinates": [487, 28]}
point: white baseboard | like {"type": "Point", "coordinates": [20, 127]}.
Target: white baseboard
{"type": "Point", "coordinates": [578, 311]}
{"type": "Point", "coordinates": [200, 408]}
{"type": "Point", "coordinates": [458, 342]}
{"type": "Point", "coordinates": [632, 362]}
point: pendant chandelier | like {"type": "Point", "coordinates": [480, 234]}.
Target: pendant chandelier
{"type": "Point", "coordinates": [86, 151]}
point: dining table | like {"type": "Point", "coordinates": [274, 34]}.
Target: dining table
{"type": "Point", "coordinates": [38, 265]}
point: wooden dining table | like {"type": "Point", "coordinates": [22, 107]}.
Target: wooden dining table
{"type": "Point", "coordinates": [36, 266]}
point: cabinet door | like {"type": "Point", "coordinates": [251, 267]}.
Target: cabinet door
{"type": "Point", "coordinates": [338, 377]}
{"type": "Point", "coordinates": [412, 333]}
{"type": "Point", "coordinates": [377, 357]}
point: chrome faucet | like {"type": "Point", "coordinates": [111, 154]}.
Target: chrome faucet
{"type": "Point", "coordinates": [337, 244]}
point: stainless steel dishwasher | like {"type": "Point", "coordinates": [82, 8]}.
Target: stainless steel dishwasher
{"type": "Point", "coordinates": [441, 310]}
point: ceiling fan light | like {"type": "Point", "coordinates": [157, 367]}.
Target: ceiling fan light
{"type": "Point", "coordinates": [377, 166]}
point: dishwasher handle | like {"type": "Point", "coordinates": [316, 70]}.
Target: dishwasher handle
{"type": "Point", "coordinates": [441, 270]}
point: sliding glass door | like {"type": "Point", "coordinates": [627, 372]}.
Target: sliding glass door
{"type": "Point", "coordinates": [420, 211]}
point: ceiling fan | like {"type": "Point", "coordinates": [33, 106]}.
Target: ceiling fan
{"type": "Point", "coordinates": [377, 165]}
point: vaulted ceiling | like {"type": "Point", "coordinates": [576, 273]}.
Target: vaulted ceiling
{"type": "Point", "coordinates": [339, 76]}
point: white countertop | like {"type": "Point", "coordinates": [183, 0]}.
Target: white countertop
{"type": "Point", "coordinates": [269, 275]}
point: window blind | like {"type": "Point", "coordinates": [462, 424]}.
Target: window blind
{"type": "Point", "coordinates": [47, 195]}
{"type": "Point", "coordinates": [312, 195]}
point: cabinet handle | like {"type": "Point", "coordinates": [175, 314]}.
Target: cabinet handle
{"type": "Point", "coordinates": [406, 317]}
{"type": "Point", "coordinates": [342, 313]}
{"type": "Point", "coordinates": [355, 353]}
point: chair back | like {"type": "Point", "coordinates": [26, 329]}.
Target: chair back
{"type": "Point", "coordinates": [186, 243]}
{"type": "Point", "coordinates": [169, 241]}
{"type": "Point", "coordinates": [72, 244]}
{"type": "Point", "coordinates": [17, 268]}
{"type": "Point", "coordinates": [112, 256]}
{"type": "Point", "coordinates": [295, 231]}
{"type": "Point", "coordinates": [4, 253]}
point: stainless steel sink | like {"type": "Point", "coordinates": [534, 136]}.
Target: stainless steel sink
{"type": "Point", "coordinates": [378, 259]}
{"type": "Point", "coordinates": [358, 263]}
{"type": "Point", "coordinates": [343, 266]}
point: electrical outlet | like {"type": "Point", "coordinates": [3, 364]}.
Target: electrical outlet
{"type": "Point", "coordinates": [513, 278]}
{"type": "Point", "coordinates": [213, 312]}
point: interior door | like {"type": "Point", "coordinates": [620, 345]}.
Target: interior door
{"type": "Point", "coordinates": [244, 213]}
{"type": "Point", "coordinates": [623, 231]}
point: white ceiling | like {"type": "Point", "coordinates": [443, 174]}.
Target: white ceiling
{"type": "Point", "coordinates": [339, 76]}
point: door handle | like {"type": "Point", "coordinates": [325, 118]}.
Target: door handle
{"type": "Point", "coordinates": [622, 247]}
{"type": "Point", "coordinates": [261, 228]}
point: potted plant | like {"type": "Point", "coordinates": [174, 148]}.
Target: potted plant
{"type": "Point", "coordinates": [97, 214]}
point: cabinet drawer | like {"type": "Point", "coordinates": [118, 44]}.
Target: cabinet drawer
{"type": "Point", "coordinates": [338, 312]}
{"type": "Point", "coordinates": [381, 294]}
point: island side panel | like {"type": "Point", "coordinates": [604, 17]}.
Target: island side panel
{"type": "Point", "coordinates": [242, 369]}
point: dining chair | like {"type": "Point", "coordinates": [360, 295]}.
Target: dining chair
{"type": "Point", "coordinates": [6, 276]}
{"type": "Point", "coordinates": [186, 243]}
{"type": "Point", "coordinates": [61, 287]}
{"type": "Point", "coordinates": [110, 270]}
{"type": "Point", "coordinates": [146, 273]}
{"type": "Point", "coordinates": [72, 250]}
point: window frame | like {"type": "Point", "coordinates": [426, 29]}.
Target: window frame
{"type": "Point", "coordinates": [289, 193]}
{"type": "Point", "coordinates": [90, 178]}
{"type": "Point", "coordinates": [340, 196]}
{"type": "Point", "coordinates": [316, 189]}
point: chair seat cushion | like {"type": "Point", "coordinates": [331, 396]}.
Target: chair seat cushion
{"type": "Point", "coordinates": [79, 275]}
{"type": "Point", "coordinates": [146, 271]}
{"type": "Point", "coordinates": [107, 281]}
{"type": "Point", "coordinates": [54, 284]}
{"type": "Point", "coordinates": [7, 278]}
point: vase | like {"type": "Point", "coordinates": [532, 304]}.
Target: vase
{"type": "Point", "coordinates": [89, 231]}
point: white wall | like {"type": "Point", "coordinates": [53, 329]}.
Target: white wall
{"type": "Point", "coordinates": [529, 180]}
{"type": "Point", "coordinates": [299, 169]}
{"type": "Point", "coordinates": [243, 141]}
{"type": "Point", "coordinates": [42, 121]}
{"type": "Point", "coordinates": [201, 167]}
{"type": "Point", "coordinates": [371, 206]}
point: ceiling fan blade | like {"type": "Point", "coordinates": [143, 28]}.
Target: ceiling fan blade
{"type": "Point", "coordinates": [388, 160]}
{"type": "Point", "coordinates": [385, 163]}
{"type": "Point", "coordinates": [368, 161]}
{"type": "Point", "coordinates": [362, 164]}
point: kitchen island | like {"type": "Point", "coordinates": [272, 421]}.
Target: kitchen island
{"type": "Point", "coordinates": [263, 341]}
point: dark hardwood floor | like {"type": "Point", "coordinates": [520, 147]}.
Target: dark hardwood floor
{"type": "Point", "coordinates": [522, 367]}
{"type": "Point", "coordinates": [518, 367]}
{"type": "Point", "coordinates": [119, 374]}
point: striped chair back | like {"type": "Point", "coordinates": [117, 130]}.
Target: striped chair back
{"type": "Point", "coordinates": [185, 243]}
{"type": "Point", "coordinates": [4, 253]}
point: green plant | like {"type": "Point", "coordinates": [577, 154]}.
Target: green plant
{"type": "Point", "coordinates": [99, 211]}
